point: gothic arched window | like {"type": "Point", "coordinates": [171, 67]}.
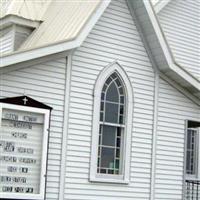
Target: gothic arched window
{"type": "Point", "coordinates": [112, 125]}
{"type": "Point", "coordinates": [112, 122]}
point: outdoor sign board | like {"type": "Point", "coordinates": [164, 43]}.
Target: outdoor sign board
{"type": "Point", "coordinates": [23, 150]}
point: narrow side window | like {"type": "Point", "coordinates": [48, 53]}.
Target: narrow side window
{"type": "Point", "coordinates": [192, 150]}
{"type": "Point", "coordinates": [192, 161]}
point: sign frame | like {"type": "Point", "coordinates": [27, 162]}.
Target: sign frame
{"type": "Point", "coordinates": [43, 167]}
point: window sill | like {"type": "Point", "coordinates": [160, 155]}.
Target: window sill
{"type": "Point", "coordinates": [192, 178]}
{"type": "Point", "coordinates": [104, 179]}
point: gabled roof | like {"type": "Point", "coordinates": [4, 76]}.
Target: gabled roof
{"type": "Point", "coordinates": [65, 28]}
{"type": "Point", "coordinates": [63, 22]}
{"type": "Point", "coordinates": [52, 37]}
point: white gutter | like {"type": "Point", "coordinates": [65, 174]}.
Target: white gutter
{"type": "Point", "coordinates": [28, 55]}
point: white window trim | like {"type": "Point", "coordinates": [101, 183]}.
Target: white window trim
{"type": "Point", "coordinates": [46, 113]}
{"type": "Point", "coordinates": [125, 177]}
{"type": "Point", "coordinates": [197, 176]}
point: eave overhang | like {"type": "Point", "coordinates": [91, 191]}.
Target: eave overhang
{"type": "Point", "coordinates": [160, 50]}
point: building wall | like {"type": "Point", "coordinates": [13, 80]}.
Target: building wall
{"type": "Point", "coordinates": [114, 37]}
{"type": "Point", "coordinates": [45, 83]}
{"type": "Point", "coordinates": [180, 22]}
{"type": "Point", "coordinates": [173, 111]}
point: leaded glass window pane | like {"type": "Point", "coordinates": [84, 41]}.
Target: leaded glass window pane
{"type": "Point", "coordinates": [109, 135]}
{"type": "Point", "coordinates": [112, 93]}
{"type": "Point", "coordinates": [107, 157]}
{"type": "Point", "coordinates": [109, 151]}
{"type": "Point", "coordinates": [112, 101]}
{"type": "Point", "coordinates": [111, 113]}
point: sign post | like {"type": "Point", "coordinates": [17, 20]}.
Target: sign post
{"type": "Point", "coordinates": [23, 150]}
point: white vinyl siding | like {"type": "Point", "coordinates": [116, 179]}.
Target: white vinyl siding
{"type": "Point", "coordinates": [46, 83]}
{"type": "Point", "coordinates": [173, 111]}
{"type": "Point", "coordinates": [114, 37]}
{"type": "Point", "coordinates": [21, 34]}
{"type": "Point", "coordinates": [6, 41]}
{"type": "Point", "coordinates": [12, 38]}
{"type": "Point", "coordinates": [180, 21]}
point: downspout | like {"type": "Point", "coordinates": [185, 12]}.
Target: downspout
{"type": "Point", "coordinates": [65, 126]}
{"type": "Point", "coordinates": [154, 136]}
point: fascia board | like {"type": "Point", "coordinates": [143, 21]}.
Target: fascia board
{"type": "Point", "coordinates": [186, 76]}
{"type": "Point", "coordinates": [166, 49]}
{"type": "Point", "coordinates": [15, 58]}
{"type": "Point", "coordinates": [159, 33]}
{"type": "Point", "coordinates": [26, 55]}
{"type": "Point", "coordinates": [160, 5]}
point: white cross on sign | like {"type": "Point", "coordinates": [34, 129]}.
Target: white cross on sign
{"type": "Point", "coordinates": [25, 100]}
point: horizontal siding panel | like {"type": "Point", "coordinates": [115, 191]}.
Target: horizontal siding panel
{"type": "Point", "coordinates": [36, 87]}
{"type": "Point", "coordinates": [124, 43]}
{"type": "Point", "coordinates": [116, 53]}
{"type": "Point", "coordinates": [25, 79]}
{"type": "Point", "coordinates": [6, 41]}
{"type": "Point", "coordinates": [22, 89]}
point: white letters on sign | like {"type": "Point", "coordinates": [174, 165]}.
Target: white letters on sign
{"type": "Point", "coordinates": [23, 149]}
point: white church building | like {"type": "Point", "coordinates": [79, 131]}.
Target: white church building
{"type": "Point", "coordinates": [100, 100]}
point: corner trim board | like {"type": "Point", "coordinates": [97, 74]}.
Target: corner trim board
{"type": "Point", "coordinates": [154, 139]}
{"type": "Point", "coordinates": [65, 125]}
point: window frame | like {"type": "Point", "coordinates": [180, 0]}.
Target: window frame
{"type": "Point", "coordinates": [194, 177]}
{"type": "Point", "coordinates": [123, 178]}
